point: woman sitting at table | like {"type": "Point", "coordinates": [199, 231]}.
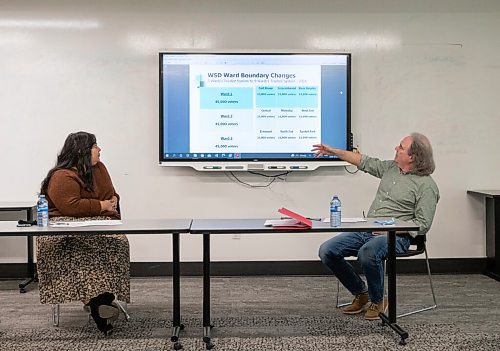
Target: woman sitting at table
{"type": "Point", "coordinates": [94, 269]}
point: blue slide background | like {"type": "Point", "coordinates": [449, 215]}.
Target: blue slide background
{"type": "Point", "coordinates": [176, 109]}
{"type": "Point", "coordinates": [334, 106]}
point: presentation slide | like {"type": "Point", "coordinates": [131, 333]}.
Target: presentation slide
{"type": "Point", "coordinates": [245, 109]}
{"type": "Point", "coordinates": [252, 106]}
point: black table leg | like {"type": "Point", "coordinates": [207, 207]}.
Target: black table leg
{"type": "Point", "coordinates": [391, 277]}
{"type": "Point", "coordinates": [177, 326]}
{"type": "Point", "coordinates": [31, 265]}
{"type": "Point", "coordinates": [493, 238]}
{"type": "Point", "coordinates": [207, 327]}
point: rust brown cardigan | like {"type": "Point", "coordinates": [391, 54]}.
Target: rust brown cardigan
{"type": "Point", "coordinates": [67, 196]}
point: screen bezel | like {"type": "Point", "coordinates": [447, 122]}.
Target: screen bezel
{"type": "Point", "coordinates": [198, 163]}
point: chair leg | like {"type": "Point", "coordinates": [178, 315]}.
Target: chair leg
{"type": "Point", "coordinates": [122, 306]}
{"type": "Point", "coordinates": [432, 290]}
{"type": "Point", "coordinates": [338, 293]}
{"type": "Point", "coordinates": [55, 314]}
{"type": "Point", "coordinates": [430, 279]}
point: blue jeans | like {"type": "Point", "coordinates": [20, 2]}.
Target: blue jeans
{"type": "Point", "coordinates": [371, 250]}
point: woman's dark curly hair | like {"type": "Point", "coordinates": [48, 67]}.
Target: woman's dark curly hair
{"type": "Point", "coordinates": [75, 153]}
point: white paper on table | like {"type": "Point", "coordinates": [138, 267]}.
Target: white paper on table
{"type": "Point", "coordinates": [348, 219]}
{"type": "Point", "coordinates": [90, 223]}
{"type": "Point", "coordinates": [281, 222]}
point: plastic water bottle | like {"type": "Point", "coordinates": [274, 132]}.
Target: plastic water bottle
{"type": "Point", "coordinates": [335, 212]}
{"type": "Point", "coordinates": [42, 212]}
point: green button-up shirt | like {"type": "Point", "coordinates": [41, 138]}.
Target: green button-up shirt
{"type": "Point", "coordinates": [405, 196]}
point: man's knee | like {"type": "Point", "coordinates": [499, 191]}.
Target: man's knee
{"type": "Point", "coordinates": [327, 250]}
{"type": "Point", "coordinates": [366, 255]}
{"type": "Point", "coordinates": [322, 252]}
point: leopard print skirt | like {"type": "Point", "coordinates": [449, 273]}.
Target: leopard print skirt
{"type": "Point", "coordinates": [78, 268]}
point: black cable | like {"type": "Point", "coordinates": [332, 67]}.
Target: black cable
{"type": "Point", "coordinates": [248, 184]}
{"type": "Point", "coordinates": [273, 179]}
{"type": "Point", "coordinates": [348, 171]}
{"type": "Point", "coordinates": [271, 176]}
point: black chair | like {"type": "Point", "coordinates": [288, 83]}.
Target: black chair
{"type": "Point", "coordinates": [417, 247]}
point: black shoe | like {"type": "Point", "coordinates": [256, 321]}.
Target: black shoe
{"type": "Point", "coordinates": [102, 323]}
{"type": "Point", "coordinates": [109, 313]}
{"type": "Point", "coordinates": [102, 312]}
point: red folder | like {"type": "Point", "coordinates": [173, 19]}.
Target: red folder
{"type": "Point", "coordinates": [302, 222]}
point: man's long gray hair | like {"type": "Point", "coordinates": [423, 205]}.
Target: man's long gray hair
{"type": "Point", "coordinates": [421, 151]}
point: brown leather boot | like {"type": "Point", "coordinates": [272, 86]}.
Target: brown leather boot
{"type": "Point", "coordinates": [357, 304]}
{"type": "Point", "coordinates": [375, 308]}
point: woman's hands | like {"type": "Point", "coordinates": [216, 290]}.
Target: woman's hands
{"type": "Point", "coordinates": [109, 205]}
{"type": "Point", "coordinates": [114, 202]}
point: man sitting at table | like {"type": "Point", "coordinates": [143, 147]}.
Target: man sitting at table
{"type": "Point", "coordinates": [407, 192]}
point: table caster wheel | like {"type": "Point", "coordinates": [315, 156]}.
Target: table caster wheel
{"type": "Point", "coordinates": [177, 346]}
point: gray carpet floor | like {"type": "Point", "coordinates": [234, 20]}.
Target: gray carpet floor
{"type": "Point", "coordinates": [263, 313]}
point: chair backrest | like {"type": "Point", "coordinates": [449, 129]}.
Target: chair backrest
{"type": "Point", "coordinates": [417, 246]}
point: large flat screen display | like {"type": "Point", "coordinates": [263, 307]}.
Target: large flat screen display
{"type": "Point", "coordinates": [241, 111]}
